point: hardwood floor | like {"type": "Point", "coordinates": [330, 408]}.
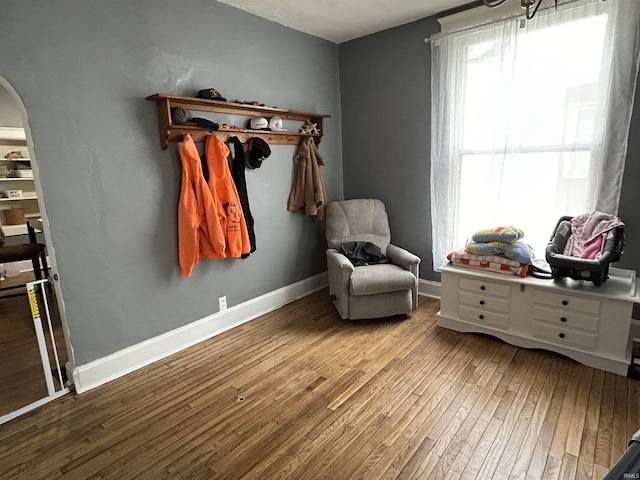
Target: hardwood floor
{"type": "Point", "coordinates": [300, 394]}
{"type": "Point", "coordinates": [21, 376]}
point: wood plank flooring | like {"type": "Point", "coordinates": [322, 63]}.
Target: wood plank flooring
{"type": "Point", "coordinates": [301, 394]}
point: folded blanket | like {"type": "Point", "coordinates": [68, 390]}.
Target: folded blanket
{"type": "Point", "coordinates": [585, 230]}
{"type": "Point", "coordinates": [494, 267]}
{"type": "Point", "coordinates": [494, 263]}
{"type": "Point", "coordinates": [518, 251]}
{"type": "Point", "coordinates": [498, 234]}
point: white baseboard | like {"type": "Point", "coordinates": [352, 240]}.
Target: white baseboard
{"type": "Point", "coordinates": [429, 288]}
{"type": "Point", "coordinates": [103, 370]}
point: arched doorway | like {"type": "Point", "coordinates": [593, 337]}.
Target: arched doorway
{"type": "Point", "coordinates": [35, 354]}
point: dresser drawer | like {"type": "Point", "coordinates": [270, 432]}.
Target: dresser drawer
{"type": "Point", "coordinates": [566, 317]}
{"type": "Point", "coordinates": [483, 301]}
{"type": "Point", "coordinates": [480, 286]}
{"type": "Point", "coordinates": [587, 305]}
{"type": "Point", "coordinates": [482, 317]}
{"type": "Point", "coordinates": [564, 336]}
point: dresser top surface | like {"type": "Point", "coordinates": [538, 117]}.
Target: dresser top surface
{"type": "Point", "coordinates": [620, 285]}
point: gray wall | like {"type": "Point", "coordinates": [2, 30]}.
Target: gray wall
{"type": "Point", "coordinates": [629, 210]}
{"type": "Point", "coordinates": [386, 105]}
{"type": "Point", "coordinates": [83, 70]}
{"type": "Point", "coordinates": [385, 83]}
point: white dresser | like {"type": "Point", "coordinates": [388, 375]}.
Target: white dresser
{"type": "Point", "coordinates": [575, 318]}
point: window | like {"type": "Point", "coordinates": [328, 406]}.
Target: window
{"type": "Point", "coordinates": [520, 122]}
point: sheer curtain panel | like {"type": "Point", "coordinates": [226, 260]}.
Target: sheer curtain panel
{"type": "Point", "coordinates": [530, 119]}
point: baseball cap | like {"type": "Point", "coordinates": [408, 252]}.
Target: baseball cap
{"type": "Point", "coordinates": [257, 152]}
{"type": "Point", "coordinates": [275, 124]}
{"type": "Point", "coordinates": [181, 116]}
{"type": "Point", "coordinates": [258, 123]}
{"type": "Point", "coordinates": [211, 94]}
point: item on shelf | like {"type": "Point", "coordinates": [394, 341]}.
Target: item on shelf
{"type": "Point", "coordinates": [255, 103]}
{"type": "Point", "coordinates": [13, 193]}
{"type": "Point", "coordinates": [4, 171]}
{"type": "Point", "coordinates": [13, 216]}
{"type": "Point", "coordinates": [181, 116]}
{"type": "Point", "coordinates": [275, 124]}
{"type": "Point", "coordinates": [310, 128]}
{"type": "Point", "coordinates": [211, 94]}
{"type": "Point", "coordinates": [16, 154]}
{"type": "Point", "coordinates": [172, 132]}
{"type": "Point", "coordinates": [23, 173]}
{"type": "Point", "coordinates": [258, 123]}
{"type": "Point", "coordinates": [226, 126]}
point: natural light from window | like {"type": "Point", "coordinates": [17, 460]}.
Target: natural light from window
{"type": "Point", "coordinates": [528, 116]}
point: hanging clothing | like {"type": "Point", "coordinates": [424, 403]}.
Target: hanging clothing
{"type": "Point", "coordinates": [237, 173]}
{"type": "Point", "coordinates": [199, 233]}
{"type": "Point", "coordinates": [211, 223]}
{"type": "Point", "coordinates": [225, 196]}
{"type": "Point", "coordinates": [307, 191]}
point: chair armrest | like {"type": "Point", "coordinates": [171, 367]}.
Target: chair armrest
{"type": "Point", "coordinates": [403, 258]}
{"type": "Point", "coordinates": [409, 261]}
{"type": "Point", "coordinates": [339, 260]}
{"type": "Point", "coordinates": [339, 270]}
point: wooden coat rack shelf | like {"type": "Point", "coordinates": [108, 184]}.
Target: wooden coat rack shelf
{"type": "Point", "coordinates": [174, 133]}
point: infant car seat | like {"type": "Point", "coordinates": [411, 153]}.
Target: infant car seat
{"type": "Point", "coordinates": [577, 268]}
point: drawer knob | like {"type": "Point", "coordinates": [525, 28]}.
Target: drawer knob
{"type": "Point", "coordinates": [482, 287]}
{"type": "Point", "coordinates": [563, 319]}
{"type": "Point", "coordinates": [481, 317]}
{"type": "Point", "coordinates": [565, 302]}
{"type": "Point", "coordinates": [561, 335]}
{"type": "Point", "coordinates": [481, 302]}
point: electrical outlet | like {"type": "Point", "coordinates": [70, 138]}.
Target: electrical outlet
{"type": "Point", "coordinates": [222, 303]}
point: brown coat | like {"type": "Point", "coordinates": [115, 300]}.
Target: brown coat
{"type": "Point", "coordinates": [307, 191]}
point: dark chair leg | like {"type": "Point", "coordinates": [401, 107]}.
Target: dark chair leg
{"type": "Point", "coordinates": [45, 268]}
{"type": "Point", "coordinates": [35, 261]}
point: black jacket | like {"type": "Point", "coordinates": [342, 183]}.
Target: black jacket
{"type": "Point", "coordinates": [363, 253]}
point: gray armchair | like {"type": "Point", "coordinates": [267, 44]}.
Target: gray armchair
{"type": "Point", "coordinates": [369, 291]}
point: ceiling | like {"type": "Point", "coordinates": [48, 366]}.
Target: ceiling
{"type": "Point", "coordinates": [342, 20]}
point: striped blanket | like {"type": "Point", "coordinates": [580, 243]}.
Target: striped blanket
{"type": "Point", "coordinates": [494, 263]}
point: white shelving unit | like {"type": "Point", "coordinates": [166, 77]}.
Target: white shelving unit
{"type": "Point", "coordinates": [14, 139]}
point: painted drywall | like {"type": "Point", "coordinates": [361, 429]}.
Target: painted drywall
{"type": "Point", "coordinates": [83, 70]}
{"type": "Point", "coordinates": [386, 102]}
{"type": "Point", "coordinates": [630, 196]}
{"type": "Point", "coordinates": [385, 83]}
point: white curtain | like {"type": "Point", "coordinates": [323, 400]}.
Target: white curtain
{"type": "Point", "coordinates": [530, 120]}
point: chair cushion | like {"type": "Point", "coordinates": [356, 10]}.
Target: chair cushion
{"type": "Point", "coordinates": [23, 251]}
{"type": "Point", "coordinates": [372, 279]}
